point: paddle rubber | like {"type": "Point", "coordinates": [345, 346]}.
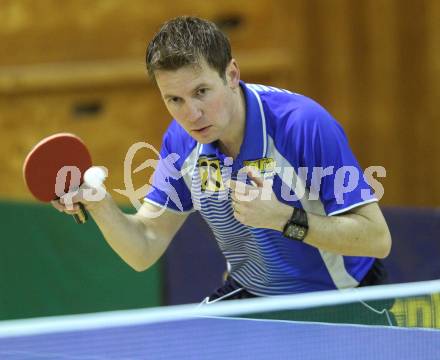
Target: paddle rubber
{"type": "Point", "coordinates": [47, 159]}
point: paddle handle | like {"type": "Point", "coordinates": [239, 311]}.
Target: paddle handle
{"type": "Point", "coordinates": [82, 216]}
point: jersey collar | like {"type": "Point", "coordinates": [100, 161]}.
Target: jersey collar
{"type": "Point", "coordinates": [254, 145]}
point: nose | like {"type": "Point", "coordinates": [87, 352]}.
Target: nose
{"type": "Point", "coordinates": [192, 112]}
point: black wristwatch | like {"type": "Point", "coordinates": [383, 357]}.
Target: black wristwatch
{"type": "Point", "coordinates": [297, 226]}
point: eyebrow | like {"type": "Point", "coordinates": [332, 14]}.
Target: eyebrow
{"type": "Point", "coordinates": [201, 85]}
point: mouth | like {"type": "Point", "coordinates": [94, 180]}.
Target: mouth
{"type": "Point", "coordinates": [202, 129]}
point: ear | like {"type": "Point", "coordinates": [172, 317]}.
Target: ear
{"type": "Point", "coordinates": [233, 74]}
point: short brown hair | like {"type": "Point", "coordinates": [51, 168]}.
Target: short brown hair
{"type": "Point", "coordinates": [187, 40]}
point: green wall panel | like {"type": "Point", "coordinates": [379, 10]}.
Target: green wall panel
{"type": "Point", "coordinates": [49, 265]}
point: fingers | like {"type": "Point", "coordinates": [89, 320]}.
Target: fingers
{"type": "Point", "coordinates": [255, 177]}
{"type": "Point", "coordinates": [89, 197]}
{"type": "Point", "coordinates": [239, 187]}
{"type": "Point", "coordinates": [252, 174]}
{"type": "Point", "coordinates": [240, 205]}
{"type": "Point", "coordinates": [242, 192]}
{"type": "Point", "coordinates": [236, 209]}
{"type": "Point", "coordinates": [76, 211]}
{"type": "Point", "coordinates": [70, 208]}
{"type": "Point", "coordinates": [90, 193]}
{"type": "Point", "coordinates": [57, 205]}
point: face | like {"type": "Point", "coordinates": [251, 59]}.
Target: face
{"type": "Point", "coordinates": [201, 101]}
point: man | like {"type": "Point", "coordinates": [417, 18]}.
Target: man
{"type": "Point", "coordinates": [268, 170]}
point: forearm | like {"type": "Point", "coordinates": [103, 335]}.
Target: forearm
{"type": "Point", "coordinates": [126, 235]}
{"type": "Point", "coordinates": [352, 234]}
{"type": "Point", "coordinates": [360, 232]}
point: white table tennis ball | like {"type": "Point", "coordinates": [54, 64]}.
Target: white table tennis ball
{"type": "Point", "coordinates": [95, 176]}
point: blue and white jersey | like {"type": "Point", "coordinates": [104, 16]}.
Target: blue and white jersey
{"type": "Point", "coordinates": [292, 139]}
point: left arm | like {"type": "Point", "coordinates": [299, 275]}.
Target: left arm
{"type": "Point", "coordinates": [360, 232]}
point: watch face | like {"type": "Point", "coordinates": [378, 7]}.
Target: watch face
{"type": "Point", "coordinates": [295, 232]}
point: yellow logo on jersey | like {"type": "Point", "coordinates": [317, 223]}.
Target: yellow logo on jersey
{"type": "Point", "coordinates": [264, 165]}
{"type": "Point", "coordinates": [210, 174]}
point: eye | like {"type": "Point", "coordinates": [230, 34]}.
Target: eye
{"type": "Point", "coordinates": [174, 100]}
{"type": "Point", "coordinates": [201, 91]}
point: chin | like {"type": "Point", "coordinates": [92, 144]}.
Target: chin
{"type": "Point", "coordinates": [205, 140]}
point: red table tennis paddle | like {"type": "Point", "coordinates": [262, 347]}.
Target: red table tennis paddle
{"type": "Point", "coordinates": [55, 167]}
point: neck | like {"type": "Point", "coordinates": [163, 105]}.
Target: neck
{"type": "Point", "coordinates": [231, 144]}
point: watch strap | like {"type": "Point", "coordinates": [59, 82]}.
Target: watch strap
{"type": "Point", "coordinates": [299, 217]}
{"type": "Point", "coordinates": [297, 226]}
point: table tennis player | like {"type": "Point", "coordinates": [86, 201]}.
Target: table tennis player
{"type": "Point", "coordinates": [291, 219]}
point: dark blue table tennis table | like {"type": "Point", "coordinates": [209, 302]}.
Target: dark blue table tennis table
{"type": "Point", "coordinates": [229, 338]}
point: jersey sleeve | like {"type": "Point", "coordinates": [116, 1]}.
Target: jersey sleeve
{"type": "Point", "coordinates": [168, 188]}
{"type": "Point", "coordinates": [333, 171]}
